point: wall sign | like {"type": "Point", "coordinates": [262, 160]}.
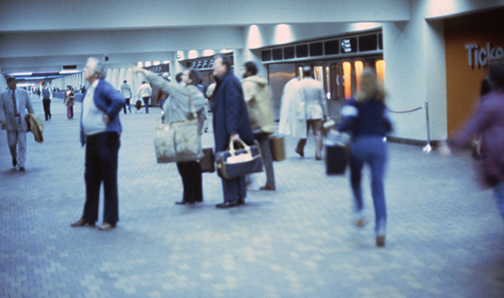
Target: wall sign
{"type": "Point", "coordinates": [480, 56]}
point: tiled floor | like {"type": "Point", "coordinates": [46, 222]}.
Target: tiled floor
{"type": "Point", "coordinates": [445, 237]}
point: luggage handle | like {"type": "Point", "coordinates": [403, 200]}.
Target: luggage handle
{"type": "Point", "coordinates": [245, 146]}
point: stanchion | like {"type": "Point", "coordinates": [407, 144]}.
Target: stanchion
{"type": "Point", "coordinates": [427, 147]}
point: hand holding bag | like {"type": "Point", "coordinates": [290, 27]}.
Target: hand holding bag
{"type": "Point", "coordinates": [233, 163]}
{"type": "Point", "coordinates": [179, 141]}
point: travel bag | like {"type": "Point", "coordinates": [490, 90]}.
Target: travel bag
{"type": "Point", "coordinates": [233, 163]}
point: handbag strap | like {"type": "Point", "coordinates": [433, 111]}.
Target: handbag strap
{"type": "Point", "coordinates": [245, 146]}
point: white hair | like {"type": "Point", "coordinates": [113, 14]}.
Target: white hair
{"type": "Point", "coordinates": [99, 67]}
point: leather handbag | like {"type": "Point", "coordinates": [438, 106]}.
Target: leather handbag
{"type": "Point", "coordinates": [277, 148]}
{"type": "Point", "coordinates": [234, 163]}
{"type": "Point", "coordinates": [179, 141]}
{"type": "Point", "coordinates": [207, 162]}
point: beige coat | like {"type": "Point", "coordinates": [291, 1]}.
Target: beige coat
{"type": "Point", "coordinates": [292, 111]}
{"type": "Point", "coordinates": [177, 107]}
{"type": "Point", "coordinates": [36, 126]}
{"type": "Point", "coordinates": [257, 94]}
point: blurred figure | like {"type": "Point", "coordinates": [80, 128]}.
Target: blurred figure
{"type": "Point", "coordinates": [177, 108]}
{"type": "Point", "coordinates": [488, 121]}
{"type": "Point", "coordinates": [100, 132]}
{"type": "Point", "coordinates": [126, 92]}
{"type": "Point", "coordinates": [364, 117]}
{"type": "Point", "coordinates": [231, 123]}
{"type": "Point", "coordinates": [47, 95]}
{"type": "Point", "coordinates": [14, 103]}
{"type": "Point", "coordinates": [292, 111]}
{"type": "Point", "coordinates": [260, 107]}
{"type": "Point", "coordinates": [69, 101]}
{"type": "Point", "coordinates": [145, 93]}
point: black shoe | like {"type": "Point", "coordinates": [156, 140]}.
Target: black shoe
{"type": "Point", "coordinates": [300, 152]}
{"type": "Point", "coordinates": [228, 205]}
{"type": "Point", "coordinates": [14, 162]}
{"type": "Point", "coordinates": [183, 203]}
{"type": "Point", "coordinates": [22, 169]}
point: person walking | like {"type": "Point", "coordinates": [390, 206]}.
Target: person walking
{"type": "Point", "coordinates": [178, 108]}
{"type": "Point", "coordinates": [69, 101]}
{"type": "Point", "coordinates": [145, 93]}
{"type": "Point", "coordinates": [100, 132]}
{"type": "Point", "coordinates": [14, 103]}
{"type": "Point", "coordinates": [257, 94]}
{"type": "Point", "coordinates": [488, 122]}
{"type": "Point", "coordinates": [315, 104]}
{"type": "Point", "coordinates": [365, 118]}
{"type": "Point", "coordinates": [231, 123]}
{"type": "Point", "coordinates": [47, 95]}
{"type": "Point", "coordinates": [126, 92]}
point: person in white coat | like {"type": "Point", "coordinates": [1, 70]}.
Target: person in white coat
{"type": "Point", "coordinates": [303, 105]}
{"type": "Point", "coordinates": [14, 104]}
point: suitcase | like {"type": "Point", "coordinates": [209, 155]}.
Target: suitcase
{"type": "Point", "coordinates": [277, 148]}
{"type": "Point", "coordinates": [336, 158]}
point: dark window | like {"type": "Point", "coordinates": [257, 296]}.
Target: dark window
{"type": "Point", "coordinates": [194, 64]}
{"type": "Point", "coordinates": [266, 55]}
{"type": "Point", "coordinates": [348, 45]}
{"type": "Point", "coordinates": [368, 43]}
{"type": "Point", "coordinates": [289, 53]}
{"type": "Point", "coordinates": [205, 64]}
{"type": "Point", "coordinates": [188, 64]}
{"type": "Point", "coordinates": [331, 47]}
{"type": "Point", "coordinates": [277, 54]}
{"type": "Point", "coordinates": [199, 64]}
{"type": "Point", "coordinates": [210, 63]}
{"type": "Point", "coordinates": [302, 51]}
{"type": "Point", "coordinates": [380, 41]}
{"type": "Point", "coordinates": [316, 49]}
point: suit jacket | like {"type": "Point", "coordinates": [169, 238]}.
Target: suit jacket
{"type": "Point", "coordinates": [110, 101]}
{"type": "Point", "coordinates": [315, 100]}
{"type": "Point", "coordinates": [230, 112]}
{"type": "Point", "coordinates": [7, 108]}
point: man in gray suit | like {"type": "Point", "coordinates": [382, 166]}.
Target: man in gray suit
{"type": "Point", "coordinates": [13, 105]}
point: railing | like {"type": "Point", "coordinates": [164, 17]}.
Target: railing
{"type": "Point", "coordinates": [427, 147]}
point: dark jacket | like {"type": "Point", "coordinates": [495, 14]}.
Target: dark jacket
{"type": "Point", "coordinates": [230, 112]}
{"type": "Point", "coordinates": [109, 100]}
{"type": "Point", "coordinates": [487, 121]}
{"type": "Point", "coordinates": [366, 118]}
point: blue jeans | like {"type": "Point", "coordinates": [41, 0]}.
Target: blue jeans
{"type": "Point", "coordinates": [146, 102]}
{"type": "Point", "coordinates": [373, 151]}
{"type": "Point", "coordinates": [499, 197]}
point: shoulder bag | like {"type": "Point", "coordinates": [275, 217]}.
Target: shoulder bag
{"type": "Point", "coordinates": [179, 141]}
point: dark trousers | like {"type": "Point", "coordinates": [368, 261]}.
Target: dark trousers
{"type": "Point", "coordinates": [234, 190]}
{"type": "Point", "coordinates": [47, 108]}
{"type": "Point", "coordinates": [127, 104]}
{"type": "Point", "coordinates": [101, 166]}
{"type": "Point", "coordinates": [146, 102]}
{"type": "Point", "coordinates": [190, 172]}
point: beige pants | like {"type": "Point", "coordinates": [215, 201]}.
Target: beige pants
{"type": "Point", "coordinates": [17, 138]}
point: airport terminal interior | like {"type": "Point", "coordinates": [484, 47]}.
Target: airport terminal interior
{"type": "Point", "coordinates": [445, 234]}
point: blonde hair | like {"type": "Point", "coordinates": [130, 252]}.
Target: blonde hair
{"type": "Point", "coordinates": [371, 88]}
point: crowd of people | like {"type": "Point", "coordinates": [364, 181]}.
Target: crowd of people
{"type": "Point", "coordinates": [243, 112]}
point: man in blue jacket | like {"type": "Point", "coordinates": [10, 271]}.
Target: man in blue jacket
{"type": "Point", "coordinates": [100, 131]}
{"type": "Point", "coordinates": [231, 122]}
